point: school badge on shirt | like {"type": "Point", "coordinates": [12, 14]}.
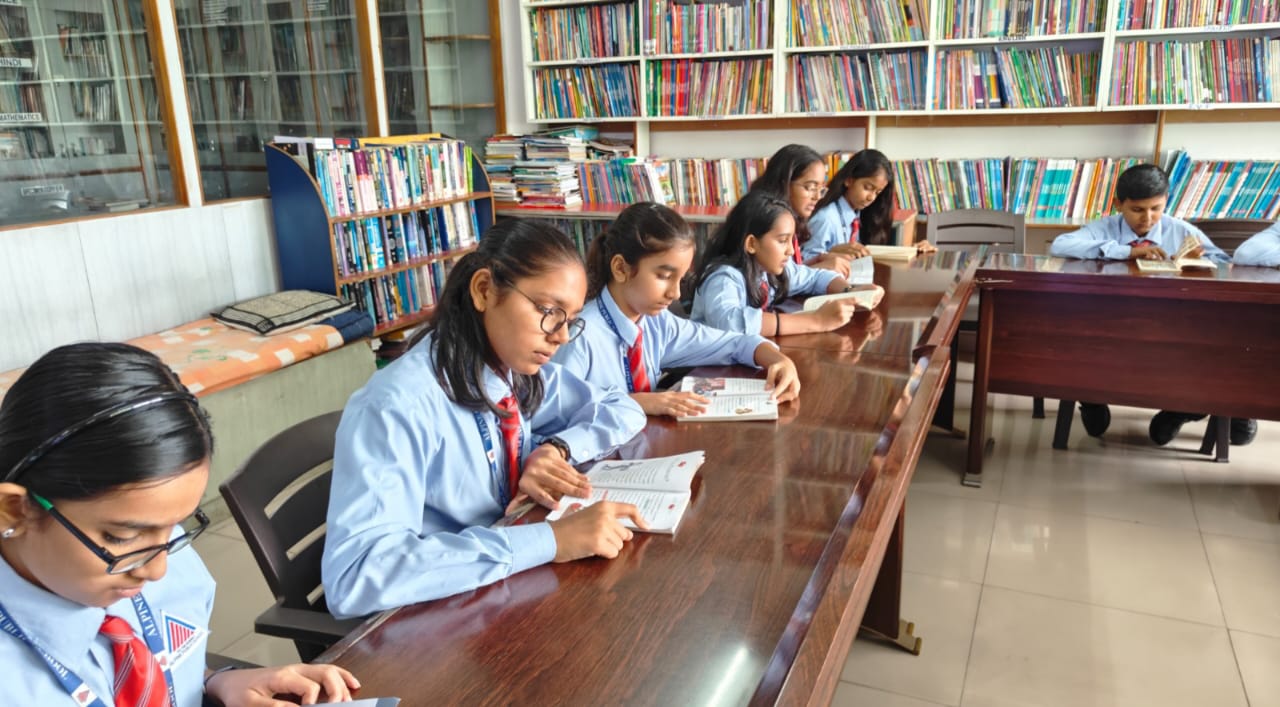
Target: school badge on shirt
{"type": "Point", "coordinates": [182, 638]}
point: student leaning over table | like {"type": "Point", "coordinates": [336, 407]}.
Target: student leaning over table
{"type": "Point", "coordinates": [1262, 249]}
{"type": "Point", "coordinates": [469, 421]}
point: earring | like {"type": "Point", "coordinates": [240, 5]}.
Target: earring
{"type": "Point", "coordinates": [8, 533]}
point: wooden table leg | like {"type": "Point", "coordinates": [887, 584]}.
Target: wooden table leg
{"type": "Point", "coordinates": [945, 414]}
{"type": "Point", "coordinates": [883, 617]}
{"type": "Point", "coordinates": [1062, 430]}
{"type": "Point", "coordinates": [981, 379]}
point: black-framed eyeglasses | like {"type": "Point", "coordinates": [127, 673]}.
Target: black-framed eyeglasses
{"type": "Point", "coordinates": [555, 317]}
{"type": "Point", "coordinates": [130, 561]}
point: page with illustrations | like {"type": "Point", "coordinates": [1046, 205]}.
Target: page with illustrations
{"type": "Point", "coordinates": [736, 408]}
{"type": "Point", "coordinates": [674, 473]}
{"type": "Point", "coordinates": [662, 511]}
{"type": "Point", "coordinates": [710, 387]}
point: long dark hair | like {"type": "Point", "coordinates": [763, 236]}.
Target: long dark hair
{"type": "Point", "coordinates": [512, 250]}
{"type": "Point", "coordinates": [877, 219]}
{"type": "Point", "coordinates": [641, 230]}
{"type": "Point", "coordinates": [164, 435]}
{"type": "Point", "coordinates": [754, 215]}
{"type": "Point", "coordinates": [784, 167]}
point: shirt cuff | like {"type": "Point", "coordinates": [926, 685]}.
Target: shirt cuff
{"type": "Point", "coordinates": [531, 545]}
{"type": "Point", "coordinates": [746, 353]}
{"type": "Point", "coordinates": [824, 280]}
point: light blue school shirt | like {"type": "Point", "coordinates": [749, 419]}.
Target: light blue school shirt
{"type": "Point", "coordinates": [599, 355]}
{"type": "Point", "coordinates": [1110, 238]}
{"type": "Point", "coordinates": [69, 632]}
{"type": "Point", "coordinates": [413, 492]}
{"type": "Point", "coordinates": [721, 301]}
{"type": "Point", "coordinates": [828, 227]}
{"type": "Point", "coordinates": [1261, 249]}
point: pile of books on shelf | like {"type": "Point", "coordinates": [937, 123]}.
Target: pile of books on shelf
{"type": "Point", "coordinates": [501, 153]}
{"type": "Point", "coordinates": [543, 169]}
{"type": "Point", "coordinates": [1243, 189]}
{"type": "Point", "coordinates": [821, 23]}
{"type": "Point", "coordinates": [683, 28]}
{"type": "Point", "coordinates": [548, 184]}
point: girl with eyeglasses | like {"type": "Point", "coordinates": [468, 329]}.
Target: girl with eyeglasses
{"type": "Point", "coordinates": [797, 174]}
{"type": "Point", "coordinates": [468, 422]}
{"type": "Point", "coordinates": [104, 456]}
{"type": "Point", "coordinates": [634, 271]}
{"type": "Point", "coordinates": [749, 267]}
{"type": "Point", "coordinates": [856, 209]}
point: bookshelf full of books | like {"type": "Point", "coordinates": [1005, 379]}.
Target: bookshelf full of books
{"type": "Point", "coordinates": [80, 129]}
{"type": "Point", "coordinates": [641, 60]}
{"type": "Point", "coordinates": [377, 221]}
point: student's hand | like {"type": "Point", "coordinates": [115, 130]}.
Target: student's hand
{"type": "Point", "coordinates": [925, 247]}
{"type": "Point", "coordinates": [852, 250]}
{"type": "Point", "coordinates": [1196, 252]}
{"type": "Point", "coordinates": [308, 684]}
{"type": "Point", "coordinates": [671, 403]}
{"type": "Point", "coordinates": [782, 379]}
{"type": "Point", "coordinates": [836, 313]}
{"type": "Point", "coordinates": [1147, 252]}
{"type": "Point", "coordinates": [547, 477]}
{"type": "Point", "coordinates": [875, 300]}
{"type": "Point", "coordinates": [594, 530]}
{"type": "Point", "coordinates": [832, 261]}
{"type": "Point", "coordinates": [874, 326]}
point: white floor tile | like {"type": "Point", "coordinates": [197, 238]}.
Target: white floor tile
{"type": "Point", "coordinates": [948, 536]}
{"type": "Point", "coordinates": [1239, 508]}
{"type": "Point", "coordinates": [1037, 651]}
{"type": "Point", "coordinates": [242, 592]}
{"type": "Point", "coordinates": [1247, 573]}
{"type": "Point", "coordinates": [850, 695]}
{"type": "Point", "coordinates": [1113, 563]}
{"type": "Point", "coordinates": [1258, 657]}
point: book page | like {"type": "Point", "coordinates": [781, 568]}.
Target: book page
{"type": "Point", "coordinates": [865, 298]}
{"type": "Point", "coordinates": [711, 387]}
{"type": "Point", "coordinates": [662, 511]}
{"type": "Point", "coordinates": [862, 271]}
{"type": "Point", "coordinates": [1189, 244]}
{"type": "Point", "coordinates": [727, 408]}
{"type": "Point", "coordinates": [1196, 264]}
{"type": "Point", "coordinates": [892, 252]}
{"type": "Point", "coordinates": [674, 473]}
{"type": "Point", "coordinates": [1157, 266]}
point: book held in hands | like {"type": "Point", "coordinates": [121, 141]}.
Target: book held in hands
{"type": "Point", "coordinates": [659, 488]}
{"type": "Point", "coordinates": [732, 399]}
{"type": "Point", "coordinates": [864, 296]}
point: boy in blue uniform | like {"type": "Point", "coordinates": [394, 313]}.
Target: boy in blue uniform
{"type": "Point", "coordinates": [1262, 249]}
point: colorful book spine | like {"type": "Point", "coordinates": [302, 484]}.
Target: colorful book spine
{"type": "Point", "coordinates": [822, 23]}
{"type": "Point", "coordinates": [368, 245]}
{"type": "Point", "coordinates": [1166, 14]}
{"type": "Point", "coordinates": [1012, 19]}
{"type": "Point", "coordinates": [594, 91]}
{"type": "Point", "coordinates": [994, 78]}
{"type": "Point", "coordinates": [1223, 189]}
{"type": "Point", "coordinates": [584, 31]}
{"type": "Point", "coordinates": [831, 83]}
{"type": "Point", "coordinates": [683, 28]}
{"type": "Point", "coordinates": [689, 87]}
{"type": "Point", "coordinates": [1197, 73]}
{"type": "Point", "coordinates": [355, 180]}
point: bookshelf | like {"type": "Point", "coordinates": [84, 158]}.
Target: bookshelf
{"type": "Point", "coordinates": [378, 221]}
{"type": "Point", "coordinates": [80, 130]}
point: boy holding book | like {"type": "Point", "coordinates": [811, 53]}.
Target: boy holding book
{"type": "Point", "coordinates": [1141, 230]}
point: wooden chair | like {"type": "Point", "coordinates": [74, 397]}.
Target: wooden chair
{"type": "Point", "coordinates": [1228, 234]}
{"type": "Point", "coordinates": [279, 498]}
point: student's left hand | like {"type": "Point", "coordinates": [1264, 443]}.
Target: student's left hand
{"type": "Point", "coordinates": [853, 250]}
{"type": "Point", "coordinates": [832, 261]}
{"type": "Point", "coordinates": [782, 379]}
{"type": "Point", "coordinates": [925, 247]}
{"type": "Point", "coordinates": [258, 687]}
{"type": "Point", "coordinates": [1196, 252]}
{"type": "Point", "coordinates": [548, 476]}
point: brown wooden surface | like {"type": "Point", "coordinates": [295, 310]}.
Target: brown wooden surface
{"type": "Point", "coordinates": [1100, 331]}
{"type": "Point", "coordinates": [757, 596]}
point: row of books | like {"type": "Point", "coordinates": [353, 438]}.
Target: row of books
{"type": "Point", "coordinates": [1162, 14]}
{"type": "Point", "coordinates": [360, 176]}
{"type": "Point", "coordinates": [378, 242]}
{"type": "Point", "coordinates": [393, 298]}
{"type": "Point", "coordinates": [1009, 19]}
{"type": "Point", "coordinates": [1045, 189]}
{"type": "Point", "coordinates": [1237, 70]}
{"type": "Point", "coordinates": [685, 87]}
{"type": "Point", "coordinates": [604, 91]}
{"type": "Point", "coordinates": [1222, 189]}
{"type": "Point", "coordinates": [93, 101]}
{"type": "Point", "coordinates": [682, 28]}
{"type": "Point", "coordinates": [523, 166]}
{"type": "Point", "coordinates": [584, 31]}
{"type": "Point", "coordinates": [683, 182]}
{"type": "Point", "coordinates": [1044, 77]}
{"type": "Point", "coordinates": [625, 182]}
{"type": "Point", "coordinates": [822, 23]}
{"type": "Point", "coordinates": [21, 98]}
{"type": "Point", "coordinates": [827, 83]}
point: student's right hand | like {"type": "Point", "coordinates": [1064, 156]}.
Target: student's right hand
{"type": "Point", "coordinates": [832, 261]}
{"type": "Point", "coordinates": [594, 530]}
{"type": "Point", "coordinates": [852, 250]}
{"type": "Point", "coordinates": [1147, 252]}
{"type": "Point", "coordinates": [548, 476]}
{"type": "Point", "coordinates": [307, 684]}
{"type": "Point", "coordinates": [836, 313]}
{"type": "Point", "coordinates": [672, 403]}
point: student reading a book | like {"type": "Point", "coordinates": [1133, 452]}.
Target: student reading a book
{"type": "Point", "coordinates": [104, 456]}
{"type": "Point", "coordinates": [634, 271]}
{"type": "Point", "coordinates": [797, 174]}
{"type": "Point", "coordinates": [749, 266]}
{"type": "Point", "coordinates": [1142, 230]}
{"type": "Point", "coordinates": [856, 210]}
{"type": "Point", "coordinates": [1262, 249]}
{"type": "Point", "coordinates": [432, 450]}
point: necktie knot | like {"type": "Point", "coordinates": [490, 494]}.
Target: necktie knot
{"type": "Point", "coordinates": [139, 681]}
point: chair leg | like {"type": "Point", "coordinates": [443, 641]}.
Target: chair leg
{"type": "Point", "coordinates": [1217, 434]}
{"type": "Point", "coordinates": [1062, 430]}
{"type": "Point", "coordinates": [1037, 408]}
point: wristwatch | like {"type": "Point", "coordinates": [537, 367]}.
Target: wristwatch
{"type": "Point", "coordinates": [559, 444]}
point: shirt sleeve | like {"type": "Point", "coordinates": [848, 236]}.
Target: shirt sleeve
{"type": "Point", "coordinates": [824, 231]}
{"type": "Point", "coordinates": [385, 546]}
{"type": "Point", "coordinates": [725, 305]}
{"type": "Point", "coordinates": [1261, 249]}
{"type": "Point", "coordinates": [804, 280]}
{"type": "Point", "coordinates": [575, 356]}
{"type": "Point", "coordinates": [593, 421]}
{"type": "Point", "coordinates": [693, 344]}
{"type": "Point", "coordinates": [1088, 243]}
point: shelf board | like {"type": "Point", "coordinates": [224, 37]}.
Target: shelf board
{"type": "Point", "coordinates": [694, 214]}
{"type": "Point", "coordinates": [619, 119]}
{"type": "Point", "coordinates": [1028, 111]}
{"type": "Point", "coordinates": [401, 267]}
{"type": "Point", "coordinates": [713, 116]}
{"type": "Point", "coordinates": [473, 196]}
{"type": "Point", "coordinates": [561, 3]}
{"type": "Point", "coordinates": [842, 48]}
{"type": "Point", "coordinates": [586, 61]}
{"type": "Point", "coordinates": [1192, 107]}
{"type": "Point", "coordinates": [461, 106]}
{"type": "Point", "coordinates": [405, 321]}
{"type": "Point", "coordinates": [458, 38]}
{"type": "Point", "coordinates": [712, 55]}
{"type": "Point", "coordinates": [1020, 39]}
{"type": "Point", "coordinates": [1207, 29]}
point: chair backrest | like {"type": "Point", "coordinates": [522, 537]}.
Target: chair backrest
{"type": "Point", "coordinates": [962, 229]}
{"type": "Point", "coordinates": [1229, 233]}
{"type": "Point", "coordinates": [279, 498]}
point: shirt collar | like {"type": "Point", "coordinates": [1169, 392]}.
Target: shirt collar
{"type": "Point", "coordinates": [62, 627]}
{"type": "Point", "coordinates": [1129, 236]}
{"type": "Point", "coordinates": [623, 327]}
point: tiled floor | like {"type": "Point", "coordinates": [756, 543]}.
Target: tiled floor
{"type": "Point", "coordinates": [1114, 573]}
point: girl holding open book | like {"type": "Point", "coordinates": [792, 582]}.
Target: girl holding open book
{"type": "Point", "coordinates": [857, 209]}
{"type": "Point", "coordinates": [750, 265]}
{"type": "Point", "coordinates": [474, 416]}
{"type": "Point", "coordinates": [634, 271]}
{"type": "Point", "coordinates": [797, 174]}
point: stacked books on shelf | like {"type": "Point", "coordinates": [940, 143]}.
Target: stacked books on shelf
{"type": "Point", "coordinates": [501, 153]}
{"type": "Point", "coordinates": [1197, 73]}
{"type": "Point", "coordinates": [822, 23]}
{"type": "Point", "coordinates": [594, 91]}
{"type": "Point", "coordinates": [994, 77]}
{"type": "Point", "coordinates": [1201, 189]}
{"type": "Point", "coordinates": [829, 83]}
{"type": "Point", "coordinates": [1019, 18]}
{"type": "Point", "coordinates": [359, 176]}
{"type": "Point", "coordinates": [547, 184]}
{"type": "Point", "coordinates": [584, 31]}
{"type": "Point", "coordinates": [684, 28]}
{"type": "Point", "coordinates": [687, 87]}
{"type": "Point", "coordinates": [1160, 14]}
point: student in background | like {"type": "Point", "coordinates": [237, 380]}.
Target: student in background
{"type": "Point", "coordinates": [472, 418]}
{"type": "Point", "coordinates": [1262, 249]}
{"type": "Point", "coordinates": [856, 210]}
{"type": "Point", "coordinates": [634, 271]}
{"type": "Point", "coordinates": [104, 456]}
{"type": "Point", "coordinates": [798, 175]}
{"type": "Point", "coordinates": [1142, 230]}
{"type": "Point", "coordinates": [749, 266]}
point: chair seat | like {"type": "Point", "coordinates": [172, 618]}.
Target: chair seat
{"type": "Point", "coordinates": [303, 624]}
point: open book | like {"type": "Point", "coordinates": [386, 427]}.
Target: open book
{"type": "Point", "coordinates": [865, 296]}
{"type": "Point", "coordinates": [892, 252]}
{"type": "Point", "coordinates": [732, 399]}
{"type": "Point", "coordinates": [658, 487]}
{"type": "Point", "coordinates": [862, 271]}
{"type": "Point", "coordinates": [1179, 261]}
